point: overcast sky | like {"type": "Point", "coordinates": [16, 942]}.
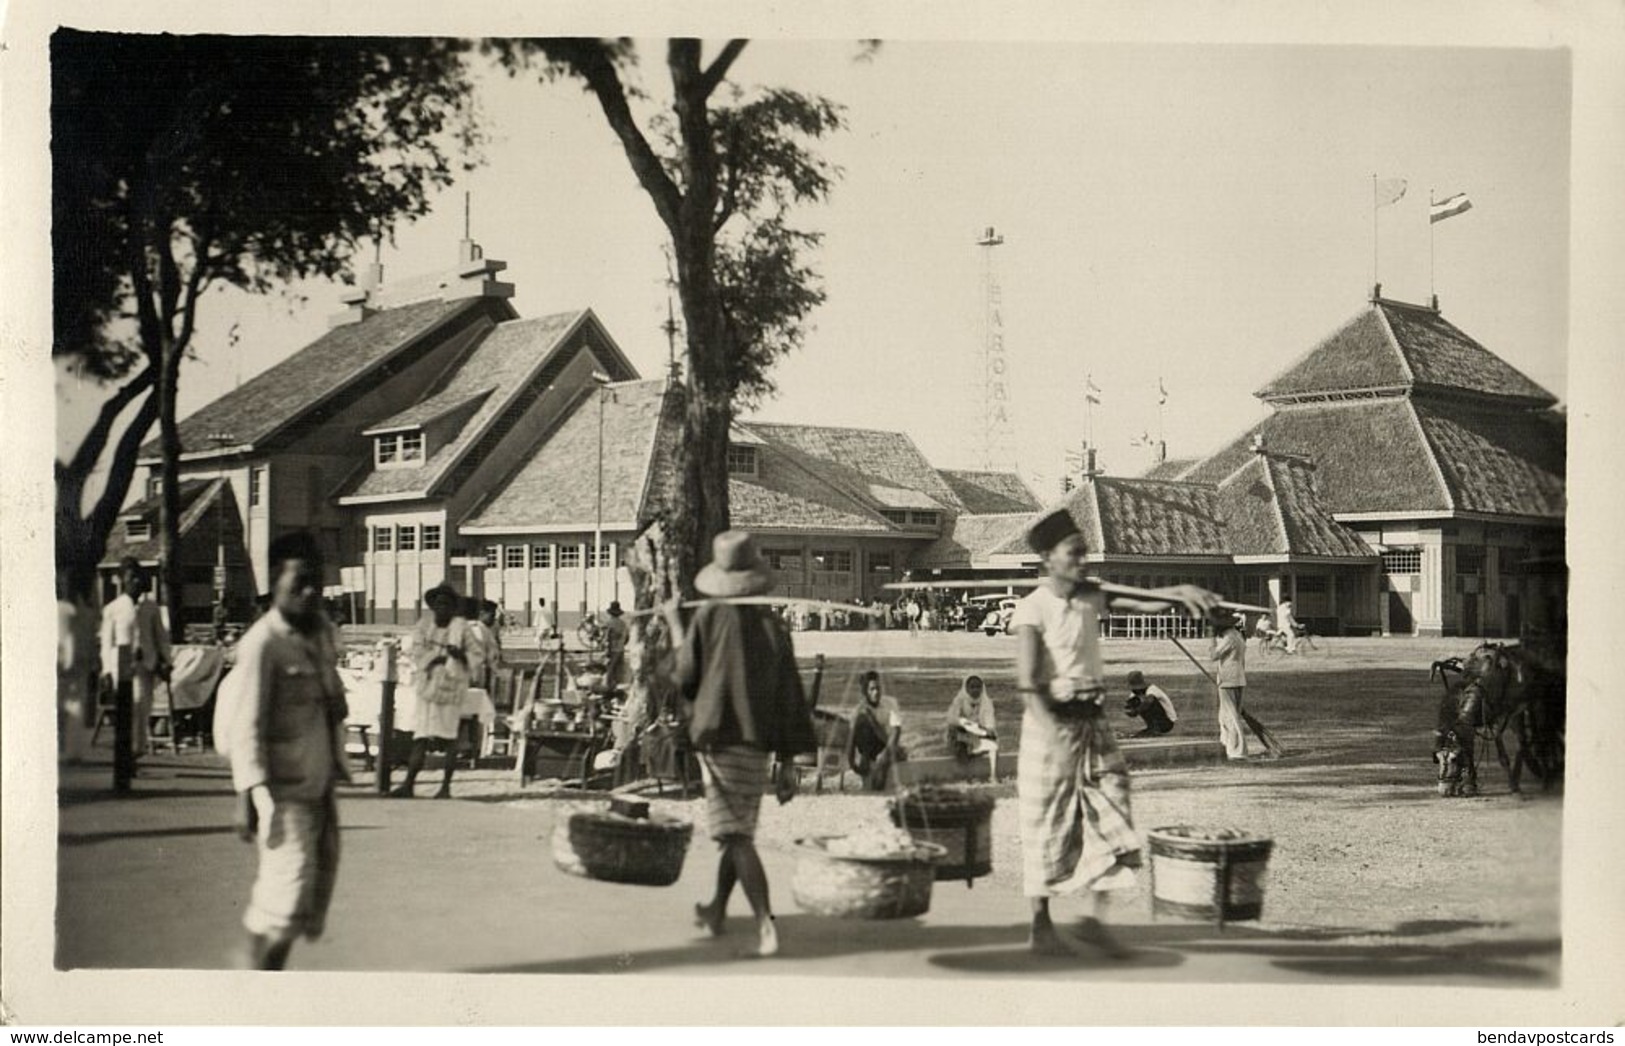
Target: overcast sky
{"type": "Point", "coordinates": [1197, 213]}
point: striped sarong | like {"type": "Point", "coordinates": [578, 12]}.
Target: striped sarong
{"type": "Point", "coordinates": [1072, 790]}
{"type": "Point", "coordinates": [736, 777]}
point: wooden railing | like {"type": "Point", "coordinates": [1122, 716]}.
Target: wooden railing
{"type": "Point", "coordinates": [1152, 626]}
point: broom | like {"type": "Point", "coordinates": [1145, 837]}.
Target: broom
{"type": "Point", "coordinates": [1259, 730]}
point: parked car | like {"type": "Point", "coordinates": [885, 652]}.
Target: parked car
{"type": "Point", "coordinates": [997, 621]}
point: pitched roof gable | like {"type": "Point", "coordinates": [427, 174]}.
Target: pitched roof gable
{"type": "Point", "coordinates": [196, 497]}
{"type": "Point", "coordinates": [1270, 508]}
{"type": "Point", "coordinates": [339, 360]}
{"type": "Point", "coordinates": [972, 539]}
{"type": "Point", "coordinates": [1370, 455]}
{"type": "Point", "coordinates": [988, 493]}
{"type": "Point", "coordinates": [1172, 468]}
{"type": "Point", "coordinates": [1396, 346]}
{"type": "Point", "coordinates": [1440, 355]}
{"type": "Point", "coordinates": [884, 467]}
{"type": "Point", "coordinates": [496, 371]}
{"type": "Point", "coordinates": [557, 486]}
{"type": "Point", "coordinates": [1498, 462]}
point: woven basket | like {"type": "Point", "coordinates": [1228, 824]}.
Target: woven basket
{"type": "Point", "coordinates": [958, 820]}
{"type": "Point", "coordinates": [1210, 874]}
{"type": "Point", "coordinates": [862, 887]}
{"type": "Point", "coordinates": [616, 849]}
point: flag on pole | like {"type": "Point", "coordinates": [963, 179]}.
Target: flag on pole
{"type": "Point", "coordinates": [1162, 393]}
{"type": "Point", "coordinates": [1389, 190]}
{"type": "Point", "coordinates": [1449, 207]}
{"type": "Point", "coordinates": [1090, 391]}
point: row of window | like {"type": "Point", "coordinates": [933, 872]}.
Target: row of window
{"type": "Point", "coordinates": [542, 557]}
{"type": "Point", "coordinates": [399, 448]}
{"type": "Point", "coordinates": [407, 537]}
{"type": "Point", "coordinates": [822, 561]}
{"type": "Point", "coordinates": [911, 518]}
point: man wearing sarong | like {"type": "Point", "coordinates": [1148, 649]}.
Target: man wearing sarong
{"type": "Point", "coordinates": [281, 715]}
{"type": "Point", "coordinates": [446, 660]}
{"type": "Point", "coordinates": [736, 666]}
{"type": "Point", "coordinates": [1072, 783]}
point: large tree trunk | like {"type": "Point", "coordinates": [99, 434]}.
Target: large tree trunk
{"type": "Point", "coordinates": [169, 436]}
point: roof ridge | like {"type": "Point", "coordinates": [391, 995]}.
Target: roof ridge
{"type": "Point", "coordinates": [1432, 455]}
{"type": "Point", "coordinates": [1393, 343]}
{"type": "Point", "coordinates": [1278, 512]}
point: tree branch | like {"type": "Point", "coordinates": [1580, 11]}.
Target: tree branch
{"type": "Point", "coordinates": [589, 60]}
{"type": "Point", "coordinates": [90, 448]}
{"type": "Point", "coordinates": [102, 517]}
{"type": "Point", "coordinates": [718, 70]}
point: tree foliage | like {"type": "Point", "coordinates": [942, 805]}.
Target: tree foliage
{"type": "Point", "coordinates": [724, 167]}
{"type": "Point", "coordinates": [182, 163]}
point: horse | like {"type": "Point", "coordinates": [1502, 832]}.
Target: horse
{"type": "Point", "coordinates": [1499, 689]}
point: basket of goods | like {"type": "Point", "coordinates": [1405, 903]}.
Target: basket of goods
{"type": "Point", "coordinates": [879, 873]}
{"type": "Point", "coordinates": [623, 844]}
{"type": "Point", "coordinates": [1208, 873]}
{"type": "Point", "coordinates": [957, 819]}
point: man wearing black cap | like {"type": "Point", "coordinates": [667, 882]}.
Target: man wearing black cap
{"type": "Point", "coordinates": [1072, 782]}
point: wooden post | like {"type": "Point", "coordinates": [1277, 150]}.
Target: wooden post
{"type": "Point", "coordinates": [386, 715]}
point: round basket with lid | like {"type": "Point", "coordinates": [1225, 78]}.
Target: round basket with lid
{"type": "Point", "coordinates": [1213, 874]}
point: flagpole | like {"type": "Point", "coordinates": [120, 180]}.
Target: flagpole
{"type": "Point", "coordinates": [1433, 292]}
{"type": "Point", "coordinates": [1375, 277]}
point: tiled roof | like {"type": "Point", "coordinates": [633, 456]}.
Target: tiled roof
{"type": "Point", "coordinates": [196, 497]}
{"type": "Point", "coordinates": [279, 395]}
{"type": "Point", "coordinates": [1169, 469]}
{"type": "Point", "coordinates": [1270, 508]}
{"type": "Point", "coordinates": [441, 404]}
{"type": "Point", "coordinates": [886, 467]}
{"type": "Point", "coordinates": [1500, 462]}
{"type": "Point", "coordinates": [1120, 516]}
{"type": "Point", "coordinates": [1394, 345]}
{"type": "Point", "coordinates": [498, 370]}
{"type": "Point", "coordinates": [1369, 455]}
{"type": "Point", "coordinates": [971, 539]}
{"type": "Point", "coordinates": [985, 493]}
{"type": "Point", "coordinates": [794, 490]}
{"type": "Point", "coordinates": [1440, 354]}
{"type": "Point", "coordinates": [558, 483]}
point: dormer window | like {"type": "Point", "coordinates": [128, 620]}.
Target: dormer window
{"type": "Point", "coordinates": [137, 529]}
{"type": "Point", "coordinates": [741, 460]}
{"type": "Point", "coordinates": [923, 519]}
{"type": "Point", "coordinates": [399, 449]}
{"type": "Point", "coordinates": [897, 516]}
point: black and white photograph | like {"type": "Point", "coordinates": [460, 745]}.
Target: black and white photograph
{"type": "Point", "coordinates": [858, 522]}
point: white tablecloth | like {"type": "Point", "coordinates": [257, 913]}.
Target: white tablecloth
{"type": "Point", "coordinates": [365, 695]}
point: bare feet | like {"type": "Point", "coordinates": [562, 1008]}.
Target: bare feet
{"type": "Point", "coordinates": [1093, 932]}
{"type": "Point", "coordinates": [1047, 940]}
{"type": "Point", "coordinates": [709, 917]}
{"type": "Point", "coordinates": [444, 792]}
{"type": "Point", "coordinates": [401, 792]}
{"type": "Point", "coordinates": [767, 938]}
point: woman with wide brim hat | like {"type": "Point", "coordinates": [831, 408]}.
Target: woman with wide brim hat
{"type": "Point", "coordinates": [445, 659]}
{"type": "Point", "coordinates": [736, 667]}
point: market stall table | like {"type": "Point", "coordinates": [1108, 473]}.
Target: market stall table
{"type": "Point", "coordinates": [365, 696]}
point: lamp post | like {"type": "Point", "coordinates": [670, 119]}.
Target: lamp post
{"type": "Point", "coordinates": [221, 441]}
{"type": "Point", "coordinates": [602, 380]}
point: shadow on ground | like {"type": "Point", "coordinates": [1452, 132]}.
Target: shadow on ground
{"type": "Point", "coordinates": [804, 937]}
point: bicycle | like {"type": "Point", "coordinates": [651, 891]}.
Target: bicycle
{"type": "Point", "coordinates": [1272, 644]}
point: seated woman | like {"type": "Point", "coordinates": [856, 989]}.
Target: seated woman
{"type": "Point", "coordinates": [971, 725]}
{"type": "Point", "coordinates": [875, 741]}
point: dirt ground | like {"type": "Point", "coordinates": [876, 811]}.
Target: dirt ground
{"type": "Point", "coordinates": [1362, 840]}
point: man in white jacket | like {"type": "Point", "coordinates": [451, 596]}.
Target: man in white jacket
{"type": "Point", "coordinates": [134, 623]}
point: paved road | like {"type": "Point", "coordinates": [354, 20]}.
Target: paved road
{"type": "Point", "coordinates": [468, 885]}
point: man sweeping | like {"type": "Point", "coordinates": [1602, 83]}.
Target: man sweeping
{"type": "Point", "coordinates": [1072, 783]}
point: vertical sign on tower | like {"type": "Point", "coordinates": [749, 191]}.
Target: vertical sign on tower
{"type": "Point", "coordinates": [996, 451]}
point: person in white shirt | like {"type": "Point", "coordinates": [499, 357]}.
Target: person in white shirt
{"type": "Point", "coordinates": [1230, 657]}
{"type": "Point", "coordinates": [1151, 705]}
{"type": "Point", "coordinates": [280, 719]}
{"type": "Point", "coordinates": [444, 660]}
{"type": "Point", "coordinates": [1286, 623]}
{"type": "Point", "coordinates": [547, 626]}
{"type": "Point", "coordinates": [132, 621]}
{"type": "Point", "coordinates": [1072, 784]}
{"type": "Point", "coordinates": [972, 726]}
